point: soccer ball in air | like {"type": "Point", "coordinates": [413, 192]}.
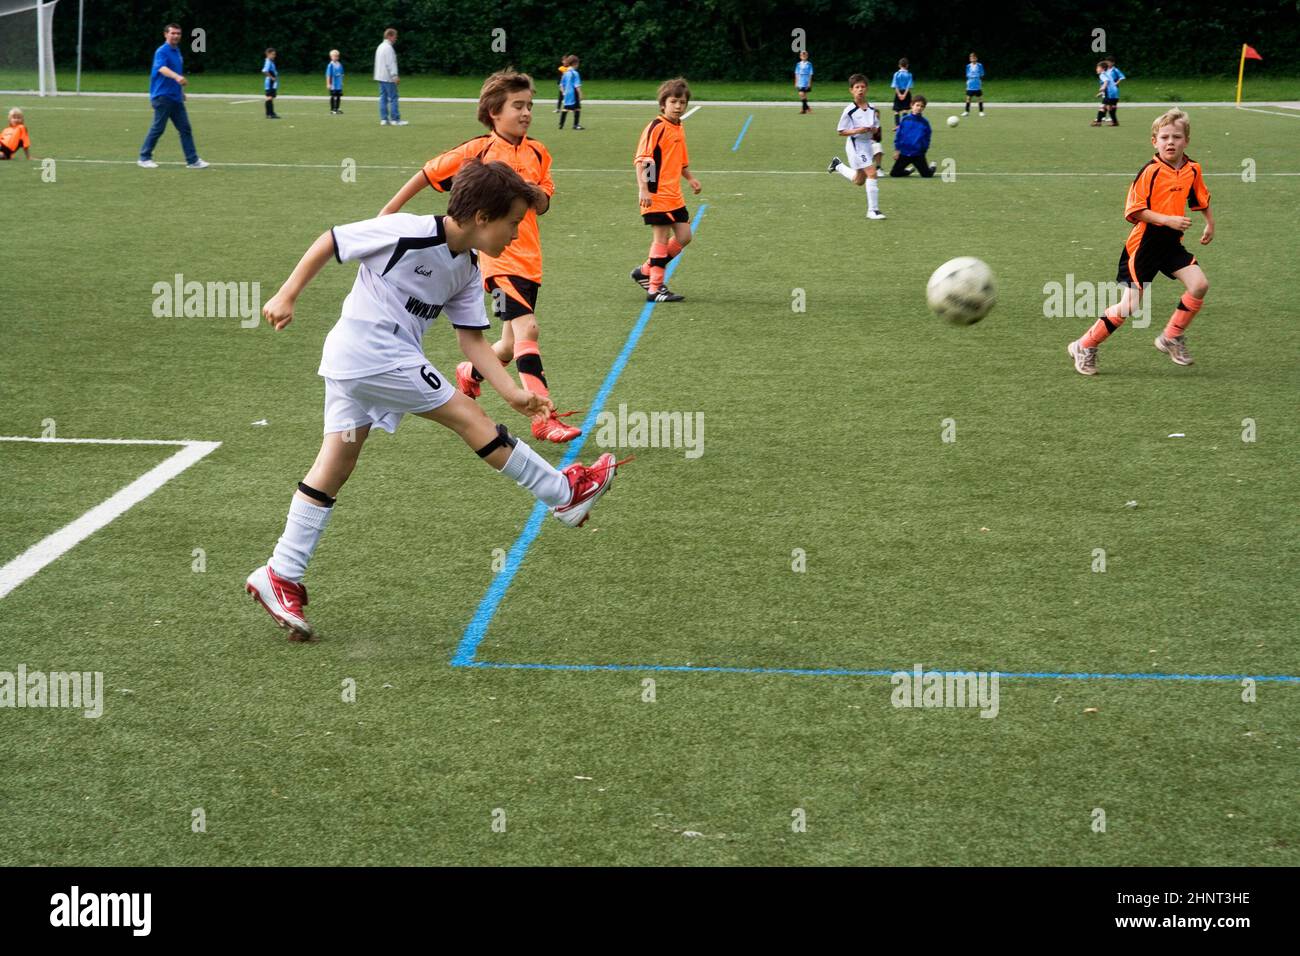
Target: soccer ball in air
{"type": "Point", "coordinates": [961, 291]}
{"type": "Point", "coordinates": [953, 120]}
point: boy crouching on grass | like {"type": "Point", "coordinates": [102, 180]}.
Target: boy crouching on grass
{"type": "Point", "coordinates": [412, 269]}
{"type": "Point", "coordinates": [911, 140]}
{"type": "Point", "coordinates": [1156, 207]}
{"type": "Point", "coordinates": [15, 137]}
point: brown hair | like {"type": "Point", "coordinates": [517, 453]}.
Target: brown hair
{"type": "Point", "coordinates": [172, 26]}
{"type": "Point", "coordinates": [902, 64]}
{"type": "Point", "coordinates": [497, 89]}
{"type": "Point", "coordinates": [918, 98]}
{"type": "Point", "coordinates": [857, 78]}
{"type": "Point", "coordinates": [389, 33]}
{"type": "Point", "coordinates": [489, 188]}
{"type": "Point", "coordinates": [677, 86]}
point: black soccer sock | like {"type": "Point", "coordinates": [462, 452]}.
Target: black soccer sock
{"type": "Point", "coordinates": [1101, 114]}
{"type": "Point", "coordinates": [268, 107]}
{"type": "Point", "coordinates": [577, 117]}
{"type": "Point", "coordinates": [475, 374]}
{"type": "Point", "coordinates": [981, 106]}
{"type": "Point", "coordinates": [1114, 115]}
{"type": "Point", "coordinates": [563, 114]}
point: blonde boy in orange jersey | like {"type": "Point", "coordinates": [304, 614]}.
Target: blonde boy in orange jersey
{"type": "Point", "coordinates": [1156, 206]}
{"type": "Point", "coordinates": [661, 163]}
{"type": "Point", "coordinates": [505, 106]}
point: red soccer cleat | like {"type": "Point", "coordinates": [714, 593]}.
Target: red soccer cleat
{"type": "Point", "coordinates": [283, 600]}
{"type": "Point", "coordinates": [588, 484]}
{"type": "Point", "coordinates": [552, 429]}
{"type": "Point", "coordinates": [465, 380]}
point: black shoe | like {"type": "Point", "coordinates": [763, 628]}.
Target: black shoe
{"type": "Point", "coordinates": [274, 116]}
{"type": "Point", "coordinates": [640, 278]}
{"type": "Point", "coordinates": [664, 295]}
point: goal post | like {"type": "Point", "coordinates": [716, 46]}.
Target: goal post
{"type": "Point", "coordinates": [27, 46]}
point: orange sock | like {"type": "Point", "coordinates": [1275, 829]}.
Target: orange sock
{"type": "Point", "coordinates": [658, 262]}
{"type": "Point", "coordinates": [1183, 315]}
{"type": "Point", "coordinates": [1110, 320]}
{"type": "Point", "coordinates": [528, 359]}
{"type": "Point", "coordinates": [674, 247]}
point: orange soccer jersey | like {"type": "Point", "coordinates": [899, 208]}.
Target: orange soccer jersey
{"type": "Point", "coordinates": [532, 162]}
{"type": "Point", "coordinates": [664, 144]}
{"type": "Point", "coordinates": [1163, 189]}
{"type": "Point", "coordinates": [15, 138]}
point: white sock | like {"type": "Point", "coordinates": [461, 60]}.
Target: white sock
{"type": "Point", "coordinates": [302, 533]}
{"type": "Point", "coordinates": [530, 470]}
{"type": "Point", "coordinates": [843, 170]}
{"type": "Point", "coordinates": [873, 195]}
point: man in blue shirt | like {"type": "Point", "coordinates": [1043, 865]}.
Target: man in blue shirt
{"type": "Point", "coordinates": [166, 79]}
{"type": "Point", "coordinates": [272, 83]}
{"type": "Point", "coordinates": [974, 83]}
{"type": "Point", "coordinates": [803, 74]}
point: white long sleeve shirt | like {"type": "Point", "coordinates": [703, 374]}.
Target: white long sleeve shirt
{"type": "Point", "coordinates": [385, 62]}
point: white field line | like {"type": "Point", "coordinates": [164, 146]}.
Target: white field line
{"type": "Point", "coordinates": [54, 546]}
{"type": "Point", "coordinates": [1090, 104]}
{"type": "Point", "coordinates": [1250, 109]}
{"type": "Point", "coordinates": [691, 112]}
{"type": "Point", "coordinates": [621, 172]}
{"type": "Point", "coordinates": [244, 102]}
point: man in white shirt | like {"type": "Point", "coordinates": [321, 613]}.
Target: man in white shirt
{"type": "Point", "coordinates": [386, 76]}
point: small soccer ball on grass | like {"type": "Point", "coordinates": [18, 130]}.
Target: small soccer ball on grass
{"type": "Point", "coordinates": [961, 291]}
{"type": "Point", "coordinates": [953, 120]}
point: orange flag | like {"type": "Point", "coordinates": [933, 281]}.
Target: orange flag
{"type": "Point", "coordinates": [1252, 54]}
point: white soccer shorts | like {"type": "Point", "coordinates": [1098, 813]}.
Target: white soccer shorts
{"type": "Point", "coordinates": [381, 400]}
{"type": "Point", "coordinates": [858, 159]}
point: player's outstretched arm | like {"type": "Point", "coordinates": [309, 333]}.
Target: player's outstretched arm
{"type": "Point", "coordinates": [279, 311]}
{"type": "Point", "coordinates": [475, 348]}
{"type": "Point", "coordinates": [406, 193]}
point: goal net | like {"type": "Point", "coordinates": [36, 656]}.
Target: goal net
{"type": "Point", "coordinates": [27, 46]}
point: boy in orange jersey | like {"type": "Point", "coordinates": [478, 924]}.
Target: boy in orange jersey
{"type": "Point", "coordinates": [1156, 205]}
{"type": "Point", "coordinates": [505, 106]}
{"type": "Point", "coordinates": [15, 137]}
{"type": "Point", "coordinates": [661, 163]}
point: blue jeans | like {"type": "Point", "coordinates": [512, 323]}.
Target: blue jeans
{"type": "Point", "coordinates": [163, 110]}
{"type": "Point", "coordinates": [388, 102]}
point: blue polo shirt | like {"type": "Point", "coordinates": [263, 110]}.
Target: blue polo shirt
{"type": "Point", "coordinates": [803, 72]}
{"type": "Point", "coordinates": [273, 80]}
{"type": "Point", "coordinates": [164, 86]}
{"type": "Point", "coordinates": [569, 84]}
{"type": "Point", "coordinates": [1113, 76]}
{"type": "Point", "coordinates": [334, 75]}
{"type": "Point", "coordinates": [974, 75]}
{"type": "Point", "coordinates": [902, 82]}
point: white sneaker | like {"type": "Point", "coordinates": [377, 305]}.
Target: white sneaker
{"type": "Point", "coordinates": [383, 122]}
{"type": "Point", "coordinates": [398, 123]}
{"type": "Point", "coordinates": [147, 163]}
{"type": "Point", "coordinates": [198, 164]}
{"type": "Point", "coordinates": [284, 600]}
{"type": "Point", "coordinates": [876, 214]}
{"type": "Point", "coordinates": [1085, 359]}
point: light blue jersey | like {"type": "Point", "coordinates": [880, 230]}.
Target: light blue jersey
{"type": "Point", "coordinates": [569, 84]}
{"type": "Point", "coordinates": [974, 76]}
{"type": "Point", "coordinates": [1113, 76]}
{"type": "Point", "coordinates": [334, 75]}
{"type": "Point", "coordinates": [803, 74]}
{"type": "Point", "coordinates": [902, 82]}
{"type": "Point", "coordinates": [272, 81]}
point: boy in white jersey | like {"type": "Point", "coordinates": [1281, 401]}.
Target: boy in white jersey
{"type": "Point", "coordinates": [860, 125]}
{"type": "Point", "coordinates": [413, 268]}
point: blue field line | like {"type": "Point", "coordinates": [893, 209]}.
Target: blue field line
{"type": "Point", "coordinates": [743, 130]}
{"type": "Point", "coordinates": [846, 672]}
{"type": "Point", "coordinates": [477, 628]}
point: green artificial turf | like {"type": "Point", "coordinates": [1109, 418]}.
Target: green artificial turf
{"type": "Point", "coordinates": [822, 435]}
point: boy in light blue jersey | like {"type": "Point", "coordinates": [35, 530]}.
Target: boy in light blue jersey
{"type": "Point", "coordinates": [272, 82]}
{"type": "Point", "coordinates": [803, 74]}
{"type": "Point", "coordinates": [571, 89]}
{"type": "Point", "coordinates": [902, 86]}
{"type": "Point", "coordinates": [334, 82]}
{"type": "Point", "coordinates": [974, 83]}
{"type": "Point", "coordinates": [1113, 79]}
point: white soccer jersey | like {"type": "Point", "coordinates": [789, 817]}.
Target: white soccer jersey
{"type": "Point", "coordinates": [407, 278]}
{"type": "Point", "coordinates": [860, 147]}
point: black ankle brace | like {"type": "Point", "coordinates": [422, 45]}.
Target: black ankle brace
{"type": "Point", "coordinates": [320, 496]}
{"type": "Point", "coordinates": [503, 440]}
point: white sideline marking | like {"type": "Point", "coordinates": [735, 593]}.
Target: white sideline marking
{"type": "Point", "coordinates": [54, 546]}
{"type": "Point", "coordinates": [1251, 109]}
{"type": "Point", "coordinates": [621, 172]}
{"type": "Point", "coordinates": [690, 112]}
{"type": "Point", "coordinates": [241, 102]}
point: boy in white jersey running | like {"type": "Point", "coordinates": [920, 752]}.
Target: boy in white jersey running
{"type": "Point", "coordinates": [413, 268]}
{"type": "Point", "coordinates": [860, 125]}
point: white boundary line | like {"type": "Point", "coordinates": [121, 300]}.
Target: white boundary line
{"type": "Point", "coordinates": [691, 112]}
{"type": "Point", "coordinates": [54, 546]}
{"type": "Point", "coordinates": [620, 172]}
{"type": "Point", "coordinates": [1251, 109]}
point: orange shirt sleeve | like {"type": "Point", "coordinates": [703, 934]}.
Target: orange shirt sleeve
{"type": "Point", "coordinates": [1139, 194]}
{"type": "Point", "coordinates": [546, 183]}
{"type": "Point", "coordinates": [645, 145]}
{"type": "Point", "coordinates": [442, 169]}
{"type": "Point", "coordinates": [1200, 192]}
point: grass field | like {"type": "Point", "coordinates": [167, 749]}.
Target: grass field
{"type": "Point", "coordinates": [1173, 89]}
{"type": "Point", "coordinates": [823, 433]}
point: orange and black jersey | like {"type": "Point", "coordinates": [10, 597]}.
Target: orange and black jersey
{"type": "Point", "coordinates": [664, 144]}
{"type": "Point", "coordinates": [15, 137]}
{"type": "Point", "coordinates": [532, 162]}
{"type": "Point", "coordinates": [1165, 190]}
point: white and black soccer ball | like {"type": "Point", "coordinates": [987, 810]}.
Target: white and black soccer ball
{"type": "Point", "coordinates": [953, 121]}
{"type": "Point", "coordinates": [962, 291]}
